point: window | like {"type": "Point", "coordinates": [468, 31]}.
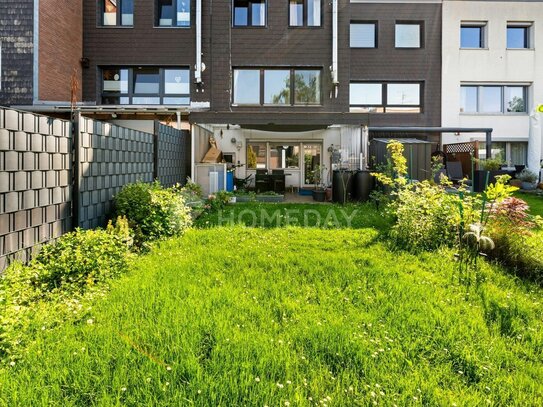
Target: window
{"type": "Point", "coordinates": [256, 155]}
{"type": "Point", "coordinates": [249, 13]}
{"type": "Point", "coordinates": [472, 35]}
{"type": "Point", "coordinates": [493, 99]}
{"type": "Point", "coordinates": [284, 155]}
{"type": "Point", "coordinates": [277, 87]}
{"type": "Point", "coordinates": [145, 86]}
{"type": "Point", "coordinates": [518, 36]}
{"type": "Point", "coordinates": [117, 12]}
{"type": "Point", "coordinates": [408, 35]}
{"type": "Point", "coordinates": [363, 35]}
{"type": "Point", "coordinates": [385, 97]}
{"type": "Point", "coordinates": [513, 153]}
{"type": "Point", "coordinates": [305, 12]}
{"type": "Point", "coordinates": [173, 13]}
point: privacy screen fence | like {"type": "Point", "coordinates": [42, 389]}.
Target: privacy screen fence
{"type": "Point", "coordinates": [56, 175]}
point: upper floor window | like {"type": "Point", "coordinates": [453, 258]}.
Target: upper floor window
{"type": "Point", "coordinates": [493, 99]}
{"type": "Point", "coordinates": [408, 35]}
{"type": "Point", "coordinates": [518, 35]}
{"type": "Point", "coordinates": [173, 13]}
{"type": "Point", "coordinates": [277, 87]}
{"type": "Point", "coordinates": [145, 86]}
{"type": "Point", "coordinates": [304, 13]}
{"type": "Point", "coordinates": [363, 35]}
{"type": "Point", "coordinates": [249, 13]}
{"type": "Point", "coordinates": [117, 12]}
{"type": "Point", "coordinates": [473, 35]}
{"type": "Point", "coordinates": [392, 97]}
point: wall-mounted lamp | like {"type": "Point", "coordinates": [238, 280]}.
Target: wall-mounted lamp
{"type": "Point", "coordinates": [239, 145]}
{"type": "Point", "coordinates": [113, 115]}
{"type": "Point", "coordinates": [233, 140]}
{"type": "Point", "coordinates": [456, 133]}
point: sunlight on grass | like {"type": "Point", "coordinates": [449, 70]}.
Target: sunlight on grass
{"type": "Point", "coordinates": [239, 316]}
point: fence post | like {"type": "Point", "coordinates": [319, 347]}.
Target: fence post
{"type": "Point", "coordinates": [76, 165]}
{"type": "Point", "coordinates": [155, 149]}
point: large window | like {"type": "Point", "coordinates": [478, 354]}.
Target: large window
{"type": "Point", "coordinates": [363, 35]}
{"type": "Point", "coordinates": [472, 35]}
{"type": "Point", "coordinates": [173, 13]}
{"type": "Point", "coordinates": [249, 13]}
{"type": "Point", "coordinates": [493, 99]}
{"type": "Point", "coordinates": [117, 12]}
{"type": "Point", "coordinates": [277, 87]}
{"type": "Point", "coordinates": [256, 155]}
{"type": "Point", "coordinates": [304, 13]}
{"type": "Point", "coordinates": [518, 35]}
{"type": "Point", "coordinates": [145, 86]}
{"type": "Point", "coordinates": [284, 155]}
{"type": "Point", "coordinates": [385, 97]}
{"type": "Point", "coordinates": [513, 153]}
{"type": "Point", "coordinates": [408, 35]}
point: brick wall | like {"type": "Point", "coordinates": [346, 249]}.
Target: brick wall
{"type": "Point", "coordinates": [60, 48]}
{"type": "Point", "coordinates": [16, 35]}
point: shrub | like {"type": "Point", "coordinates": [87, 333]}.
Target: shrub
{"type": "Point", "coordinates": [528, 176]}
{"type": "Point", "coordinates": [53, 287]}
{"type": "Point", "coordinates": [218, 201]}
{"type": "Point", "coordinates": [152, 211]}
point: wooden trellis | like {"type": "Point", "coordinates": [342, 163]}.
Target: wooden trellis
{"type": "Point", "coordinates": [463, 152]}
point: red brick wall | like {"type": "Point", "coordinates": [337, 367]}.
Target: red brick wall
{"type": "Point", "coordinates": [60, 48]}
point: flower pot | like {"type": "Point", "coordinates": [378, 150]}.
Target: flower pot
{"type": "Point", "coordinates": [319, 195]}
{"type": "Point", "coordinates": [528, 186]}
{"type": "Point", "coordinates": [270, 198]}
{"type": "Point", "coordinates": [232, 200]}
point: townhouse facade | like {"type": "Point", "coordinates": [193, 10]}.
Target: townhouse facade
{"type": "Point", "coordinates": [286, 85]}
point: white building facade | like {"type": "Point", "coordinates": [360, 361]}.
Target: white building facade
{"type": "Point", "coordinates": [492, 76]}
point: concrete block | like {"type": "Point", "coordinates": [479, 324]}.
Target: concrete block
{"type": "Point", "coordinates": [4, 181]}
{"type": "Point", "coordinates": [64, 177]}
{"type": "Point", "coordinates": [65, 210]}
{"type": "Point", "coordinates": [57, 229]}
{"type": "Point", "coordinates": [21, 140]}
{"type": "Point", "coordinates": [57, 195]}
{"type": "Point", "coordinates": [58, 127]}
{"type": "Point", "coordinates": [11, 161]}
{"type": "Point", "coordinates": [36, 216]}
{"type": "Point", "coordinates": [44, 161]}
{"type": "Point", "coordinates": [28, 238]}
{"type": "Point", "coordinates": [36, 179]}
{"type": "Point", "coordinates": [11, 243]}
{"type": "Point", "coordinates": [95, 197]}
{"type": "Point", "coordinates": [64, 145]}
{"type": "Point", "coordinates": [50, 214]}
{"type": "Point", "coordinates": [29, 122]}
{"type": "Point", "coordinates": [68, 193]}
{"type": "Point", "coordinates": [43, 197]}
{"type": "Point", "coordinates": [44, 124]}
{"type": "Point", "coordinates": [36, 142]}
{"type": "Point", "coordinates": [85, 198]}
{"type": "Point", "coordinates": [85, 140]}
{"type": "Point", "coordinates": [5, 137]}
{"type": "Point", "coordinates": [29, 199]}
{"type": "Point", "coordinates": [50, 179]}
{"type": "Point", "coordinates": [29, 161]}
{"type": "Point", "coordinates": [21, 220]}
{"type": "Point", "coordinates": [20, 181]}
{"type": "Point", "coordinates": [11, 119]}
{"type": "Point", "coordinates": [58, 161]}
{"type": "Point", "coordinates": [51, 144]}
{"type": "Point", "coordinates": [11, 202]}
{"type": "Point", "coordinates": [5, 224]}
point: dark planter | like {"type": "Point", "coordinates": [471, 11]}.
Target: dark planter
{"type": "Point", "coordinates": [328, 194]}
{"type": "Point", "coordinates": [341, 179]}
{"type": "Point", "coordinates": [270, 198]}
{"type": "Point", "coordinates": [319, 195]}
{"type": "Point", "coordinates": [479, 178]}
{"type": "Point", "coordinates": [363, 184]}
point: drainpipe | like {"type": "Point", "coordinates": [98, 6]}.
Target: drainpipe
{"type": "Point", "coordinates": [178, 120]}
{"type": "Point", "coordinates": [335, 81]}
{"type": "Point", "coordinates": [198, 70]}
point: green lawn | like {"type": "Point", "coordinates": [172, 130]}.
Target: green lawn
{"type": "Point", "coordinates": [534, 201]}
{"type": "Point", "coordinates": [239, 316]}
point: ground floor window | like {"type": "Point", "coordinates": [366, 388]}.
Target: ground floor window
{"type": "Point", "coordinates": [512, 153]}
{"type": "Point", "coordinates": [145, 86]}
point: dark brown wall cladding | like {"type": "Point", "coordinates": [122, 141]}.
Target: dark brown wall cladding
{"type": "Point", "coordinates": [16, 32]}
{"type": "Point", "coordinates": [60, 49]}
{"type": "Point", "coordinates": [141, 44]}
{"type": "Point", "coordinates": [386, 63]}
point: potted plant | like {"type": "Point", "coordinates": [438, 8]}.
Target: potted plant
{"type": "Point", "coordinates": [319, 193]}
{"type": "Point", "coordinates": [528, 179]}
{"type": "Point", "coordinates": [488, 170]}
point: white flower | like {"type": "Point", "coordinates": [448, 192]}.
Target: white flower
{"type": "Point", "coordinates": [123, 389]}
{"type": "Point", "coordinates": [199, 391]}
{"type": "Point", "coordinates": [289, 382]}
{"type": "Point", "coordinates": [168, 368]}
{"type": "Point", "coordinates": [287, 403]}
{"type": "Point", "coordinates": [12, 363]}
{"type": "Point", "coordinates": [280, 385]}
{"type": "Point", "coordinates": [257, 379]}
{"type": "Point", "coordinates": [90, 321]}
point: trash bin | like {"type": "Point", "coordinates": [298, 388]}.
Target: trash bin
{"type": "Point", "coordinates": [339, 186]}
{"type": "Point", "coordinates": [362, 185]}
{"type": "Point", "coordinates": [230, 181]}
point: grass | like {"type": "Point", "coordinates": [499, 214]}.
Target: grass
{"type": "Point", "coordinates": [240, 316]}
{"type": "Point", "coordinates": [534, 201]}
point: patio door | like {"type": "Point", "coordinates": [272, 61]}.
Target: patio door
{"type": "Point", "coordinates": [312, 156]}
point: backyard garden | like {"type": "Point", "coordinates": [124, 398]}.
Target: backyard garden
{"type": "Point", "coordinates": [428, 298]}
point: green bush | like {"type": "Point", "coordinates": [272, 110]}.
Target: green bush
{"type": "Point", "coordinates": [153, 211]}
{"type": "Point", "coordinates": [426, 217]}
{"type": "Point", "coordinates": [218, 200]}
{"type": "Point", "coordinates": [53, 288]}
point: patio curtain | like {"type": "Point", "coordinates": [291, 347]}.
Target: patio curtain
{"type": "Point", "coordinates": [350, 146]}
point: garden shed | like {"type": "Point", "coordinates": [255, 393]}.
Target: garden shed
{"type": "Point", "coordinates": [417, 152]}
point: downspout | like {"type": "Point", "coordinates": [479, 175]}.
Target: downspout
{"type": "Point", "coordinates": [335, 81]}
{"type": "Point", "coordinates": [198, 70]}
